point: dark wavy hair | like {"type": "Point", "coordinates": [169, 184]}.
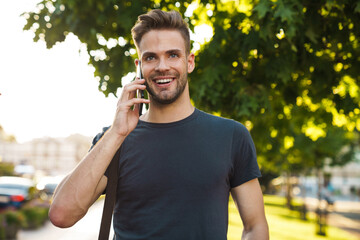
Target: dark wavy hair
{"type": "Point", "coordinates": [156, 20]}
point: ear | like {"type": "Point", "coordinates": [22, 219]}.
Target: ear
{"type": "Point", "coordinates": [191, 62]}
{"type": "Point", "coordinates": [136, 62]}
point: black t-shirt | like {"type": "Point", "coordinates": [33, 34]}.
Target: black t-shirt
{"type": "Point", "coordinates": [175, 178]}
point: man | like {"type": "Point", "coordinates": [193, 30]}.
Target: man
{"type": "Point", "coordinates": [177, 164]}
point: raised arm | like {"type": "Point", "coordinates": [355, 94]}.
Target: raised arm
{"type": "Point", "coordinates": [249, 201]}
{"type": "Point", "coordinates": [78, 191]}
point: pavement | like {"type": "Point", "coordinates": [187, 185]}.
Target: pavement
{"type": "Point", "coordinates": [343, 214]}
{"type": "Point", "coordinates": [85, 229]}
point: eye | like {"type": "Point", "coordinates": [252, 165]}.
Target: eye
{"type": "Point", "coordinates": [149, 58]}
{"type": "Point", "coordinates": [174, 55]}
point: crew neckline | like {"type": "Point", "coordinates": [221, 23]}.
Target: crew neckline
{"type": "Point", "coordinates": [189, 118]}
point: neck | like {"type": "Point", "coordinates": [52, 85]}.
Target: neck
{"type": "Point", "coordinates": [165, 113]}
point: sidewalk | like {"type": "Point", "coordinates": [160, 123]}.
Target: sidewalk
{"type": "Point", "coordinates": [86, 229]}
{"type": "Point", "coordinates": [344, 215]}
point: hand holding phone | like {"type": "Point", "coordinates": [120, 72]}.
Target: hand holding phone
{"type": "Point", "coordinates": [140, 93]}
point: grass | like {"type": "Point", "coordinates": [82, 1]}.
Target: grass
{"type": "Point", "coordinates": [285, 224]}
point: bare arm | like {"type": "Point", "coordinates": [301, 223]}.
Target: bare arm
{"type": "Point", "coordinates": [249, 201]}
{"type": "Point", "coordinates": [78, 191]}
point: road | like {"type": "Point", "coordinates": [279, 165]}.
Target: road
{"type": "Point", "coordinates": [86, 229]}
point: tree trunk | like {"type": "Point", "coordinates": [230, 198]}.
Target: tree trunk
{"type": "Point", "coordinates": [289, 191]}
{"type": "Point", "coordinates": [303, 210]}
{"type": "Point", "coordinates": [321, 210]}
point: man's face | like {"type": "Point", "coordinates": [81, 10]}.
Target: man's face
{"type": "Point", "coordinates": [165, 64]}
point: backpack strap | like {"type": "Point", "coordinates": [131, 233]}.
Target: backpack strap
{"type": "Point", "coordinates": [109, 197]}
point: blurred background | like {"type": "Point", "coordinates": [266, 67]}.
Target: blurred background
{"type": "Point", "coordinates": [288, 70]}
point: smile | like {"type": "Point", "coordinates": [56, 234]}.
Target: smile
{"type": "Point", "coordinates": [163, 81]}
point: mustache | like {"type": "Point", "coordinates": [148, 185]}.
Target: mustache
{"type": "Point", "coordinates": [163, 74]}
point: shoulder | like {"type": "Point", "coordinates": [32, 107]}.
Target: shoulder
{"type": "Point", "coordinates": [222, 122]}
{"type": "Point", "coordinates": [214, 119]}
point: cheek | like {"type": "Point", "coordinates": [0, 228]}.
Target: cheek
{"type": "Point", "coordinates": [146, 71]}
{"type": "Point", "coordinates": [181, 66]}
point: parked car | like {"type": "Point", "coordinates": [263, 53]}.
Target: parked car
{"type": "Point", "coordinates": [47, 185]}
{"type": "Point", "coordinates": [15, 191]}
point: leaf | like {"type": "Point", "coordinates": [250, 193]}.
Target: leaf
{"type": "Point", "coordinates": [357, 8]}
{"type": "Point", "coordinates": [245, 75]}
{"type": "Point", "coordinates": [311, 35]}
{"type": "Point", "coordinates": [284, 12]}
{"type": "Point", "coordinates": [290, 32]}
{"type": "Point", "coordinates": [262, 8]}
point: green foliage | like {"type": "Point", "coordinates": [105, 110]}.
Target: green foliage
{"type": "Point", "coordinates": [15, 218]}
{"type": "Point", "coordinates": [35, 216]}
{"type": "Point", "coordinates": [288, 69]}
{"type": "Point", "coordinates": [95, 23]}
{"type": "Point", "coordinates": [10, 222]}
{"type": "Point", "coordinates": [285, 224]}
{"type": "Point", "coordinates": [279, 69]}
{"type": "Point", "coordinates": [6, 169]}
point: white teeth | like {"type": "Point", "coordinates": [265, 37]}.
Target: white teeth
{"type": "Point", "coordinates": [164, 80]}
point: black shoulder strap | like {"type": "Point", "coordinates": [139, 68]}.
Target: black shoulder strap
{"type": "Point", "coordinates": [110, 197]}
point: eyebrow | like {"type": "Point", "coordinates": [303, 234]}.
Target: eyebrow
{"type": "Point", "coordinates": [171, 51]}
{"type": "Point", "coordinates": [178, 51]}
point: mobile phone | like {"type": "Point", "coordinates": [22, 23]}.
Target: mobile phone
{"type": "Point", "coordinates": [140, 93]}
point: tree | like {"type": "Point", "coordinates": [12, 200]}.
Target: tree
{"type": "Point", "coordinates": [4, 137]}
{"type": "Point", "coordinates": [104, 26]}
{"type": "Point", "coordinates": [288, 69]}
{"type": "Point", "coordinates": [6, 169]}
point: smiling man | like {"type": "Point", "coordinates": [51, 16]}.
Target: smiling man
{"type": "Point", "coordinates": [163, 52]}
{"type": "Point", "coordinates": [177, 164]}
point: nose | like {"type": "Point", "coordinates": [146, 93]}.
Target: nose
{"type": "Point", "coordinates": [162, 65]}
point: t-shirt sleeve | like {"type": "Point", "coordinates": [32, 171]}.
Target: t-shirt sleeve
{"type": "Point", "coordinates": [245, 166]}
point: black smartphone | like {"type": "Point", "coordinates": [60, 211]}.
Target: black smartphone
{"type": "Point", "coordinates": [140, 93]}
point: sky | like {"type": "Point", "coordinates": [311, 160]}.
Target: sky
{"type": "Point", "coordinates": [46, 92]}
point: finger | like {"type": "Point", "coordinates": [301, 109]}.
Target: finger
{"type": "Point", "coordinates": [129, 91]}
{"type": "Point", "coordinates": [135, 103]}
{"type": "Point", "coordinates": [139, 100]}
{"type": "Point", "coordinates": [132, 94]}
{"type": "Point", "coordinates": [136, 79]}
{"type": "Point", "coordinates": [131, 102]}
{"type": "Point", "coordinates": [137, 82]}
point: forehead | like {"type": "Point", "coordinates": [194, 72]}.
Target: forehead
{"type": "Point", "coordinates": [158, 41]}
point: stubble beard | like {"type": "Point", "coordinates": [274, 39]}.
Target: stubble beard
{"type": "Point", "coordinates": [167, 98]}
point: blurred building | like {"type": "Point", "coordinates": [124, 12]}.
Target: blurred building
{"type": "Point", "coordinates": [53, 156]}
{"type": "Point", "coordinates": [341, 182]}
{"type": "Point", "coordinates": [344, 181]}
